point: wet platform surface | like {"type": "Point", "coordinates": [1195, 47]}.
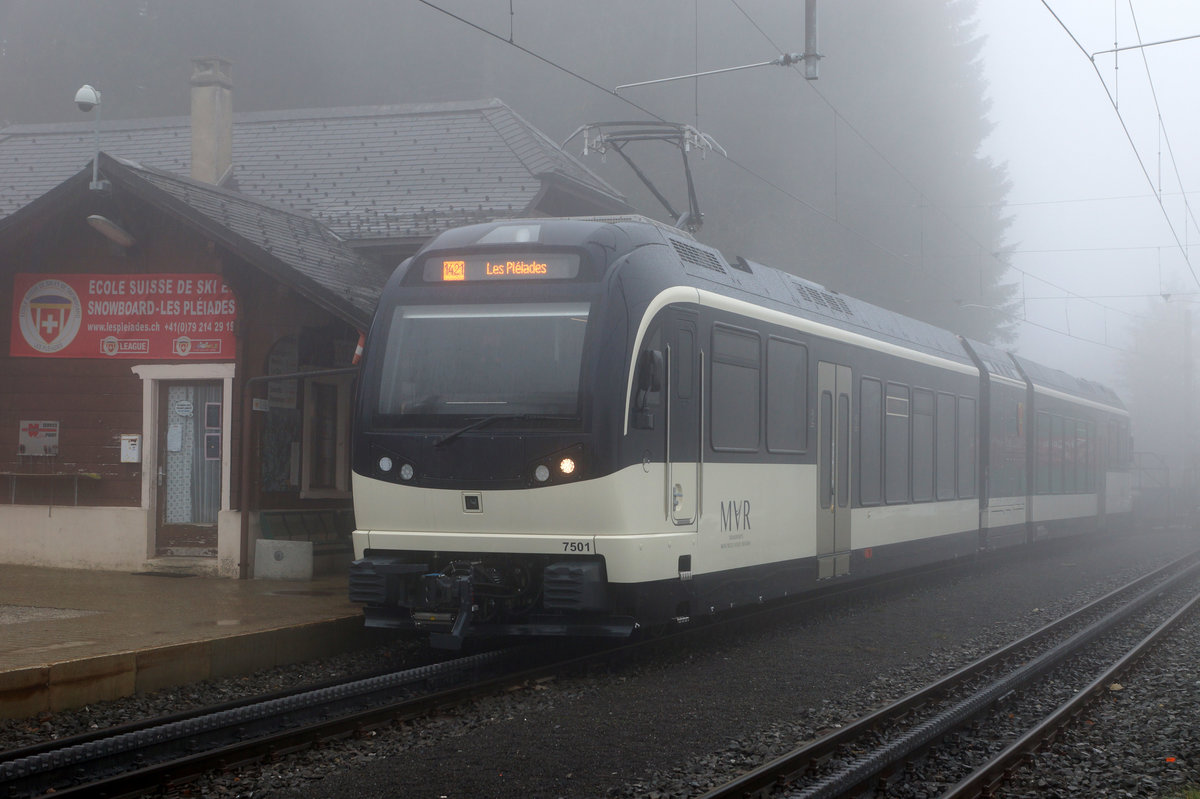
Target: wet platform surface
{"type": "Point", "coordinates": [70, 637]}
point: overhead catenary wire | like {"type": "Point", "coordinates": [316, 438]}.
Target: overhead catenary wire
{"type": "Point", "coordinates": [912, 184]}
{"type": "Point", "coordinates": [539, 57]}
{"type": "Point", "coordinates": [773, 184]}
{"type": "Point", "coordinates": [1129, 137]}
{"type": "Point", "coordinates": [1162, 126]}
{"type": "Point", "coordinates": [1144, 46]}
{"type": "Point", "coordinates": [1075, 200]}
{"type": "Point", "coordinates": [734, 162]}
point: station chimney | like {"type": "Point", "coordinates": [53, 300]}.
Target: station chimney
{"type": "Point", "coordinates": [212, 120]}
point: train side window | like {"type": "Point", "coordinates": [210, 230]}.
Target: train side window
{"type": "Point", "coordinates": [1093, 456]}
{"type": "Point", "coordinates": [682, 363]}
{"type": "Point", "coordinates": [787, 396]}
{"type": "Point", "coordinates": [870, 441]}
{"type": "Point", "coordinates": [1114, 444]}
{"type": "Point", "coordinates": [1042, 454]}
{"type": "Point", "coordinates": [966, 447]}
{"type": "Point", "coordinates": [896, 443]}
{"type": "Point", "coordinates": [1070, 462]}
{"type": "Point", "coordinates": [922, 444]}
{"type": "Point", "coordinates": [945, 446]}
{"type": "Point", "coordinates": [648, 379]}
{"type": "Point", "coordinates": [1082, 454]}
{"type": "Point", "coordinates": [1126, 447]}
{"type": "Point", "coordinates": [736, 367]}
{"type": "Point", "coordinates": [1056, 454]}
{"type": "Point", "coordinates": [1101, 441]}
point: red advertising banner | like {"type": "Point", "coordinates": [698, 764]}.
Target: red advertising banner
{"type": "Point", "coordinates": [148, 317]}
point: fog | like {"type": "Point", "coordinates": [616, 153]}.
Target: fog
{"type": "Point", "coordinates": [867, 180]}
{"type": "Point", "coordinates": [960, 162]}
{"type": "Point", "coordinates": [1103, 240]}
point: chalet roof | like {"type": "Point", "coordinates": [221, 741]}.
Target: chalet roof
{"type": "Point", "coordinates": [374, 172]}
{"type": "Point", "coordinates": [291, 247]}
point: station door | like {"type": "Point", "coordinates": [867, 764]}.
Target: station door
{"type": "Point", "coordinates": [188, 475]}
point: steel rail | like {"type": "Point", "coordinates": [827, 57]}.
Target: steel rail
{"type": "Point", "coordinates": [90, 736]}
{"type": "Point", "coordinates": [180, 770]}
{"type": "Point", "coordinates": [35, 765]}
{"type": "Point", "coordinates": [24, 774]}
{"type": "Point", "coordinates": [195, 717]}
{"type": "Point", "coordinates": [1001, 767]}
{"type": "Point", "coordinates": [786, 768]}
{"type": "Point", "coordinates": [834, 594]}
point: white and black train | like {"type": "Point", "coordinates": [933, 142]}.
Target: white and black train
{"type": "Point", "coordinates": [582, 426]}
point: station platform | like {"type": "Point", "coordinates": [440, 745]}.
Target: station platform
{"type": "Point", "coordinates": [70, 637]}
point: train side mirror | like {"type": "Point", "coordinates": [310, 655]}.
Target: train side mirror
{"type": "Point", "coordinates": [650, 371]}
{"type": "Point", "coordinates": [647, 383]}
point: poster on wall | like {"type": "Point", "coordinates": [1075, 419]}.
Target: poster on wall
{"type": "Point", "coordinates": [148, 317]}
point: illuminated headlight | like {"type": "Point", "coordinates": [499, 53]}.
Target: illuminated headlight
{"type": "Point", "coordinates": [541, 473]}
{"type": "Point", "coordinates": [385, 464]}
{"type": "Point", "coordinates": [566, 466]}
{"type": "Point", "coordinates": [406, 472]}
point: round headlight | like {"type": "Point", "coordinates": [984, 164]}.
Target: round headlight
{"type": "Point", "coordinates": [566, 466]}
{"type": "Point", "coordinates": [385, 464]}
{"type": "Point", "coordinates": [406, 472]}
{"type": "Point", "coordinates": [541, 473]}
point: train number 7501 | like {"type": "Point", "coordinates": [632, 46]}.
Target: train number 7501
{"type": "Point", "coordinates": [577, 546]}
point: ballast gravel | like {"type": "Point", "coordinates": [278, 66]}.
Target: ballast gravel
{"type": "Point", "coordinates": [680, 724]}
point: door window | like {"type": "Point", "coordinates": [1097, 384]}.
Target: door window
{"type": "Point", "coordinates": [192, 462]}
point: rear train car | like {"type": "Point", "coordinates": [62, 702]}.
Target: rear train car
{"type": "Point", "coordinates": [580, 427]}
{"type": "Point", "coordinates": [1079, 451]}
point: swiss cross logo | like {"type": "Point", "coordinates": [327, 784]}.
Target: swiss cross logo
{"type": "Point", "coordinates": [49, 315]}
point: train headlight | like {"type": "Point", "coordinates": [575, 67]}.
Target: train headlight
{"type": "Point", "coordinates": [406, 472]}
{"type": "Point", "coordinates": [385, 464]}
{"type": "Point", "coordinates": [565, 465]}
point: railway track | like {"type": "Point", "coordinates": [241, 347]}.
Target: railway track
{"type": "Point", "coordinates": [141, 757]}
{"type": "Point", "coordinates": [1032, 683]}
{"type": "Point", "coordinates": [155, 753]}
{"type": "Point", "coordinates": [169, 751]}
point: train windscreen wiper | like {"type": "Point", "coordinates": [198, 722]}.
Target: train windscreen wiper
{"type": "Point", "coordinates": [478, 423]}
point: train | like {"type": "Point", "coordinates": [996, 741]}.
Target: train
{"type": "Point", "coordinates": [594, 426]}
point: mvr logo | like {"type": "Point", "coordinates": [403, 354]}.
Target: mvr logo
{"type": "Point", "coordinates": [735, 515]}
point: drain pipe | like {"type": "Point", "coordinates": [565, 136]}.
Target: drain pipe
{"type": "Point", "coordinates": [247, 430]}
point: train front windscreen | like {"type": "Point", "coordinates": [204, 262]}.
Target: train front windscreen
{"type": "Point", "coordinates": [483, 360]}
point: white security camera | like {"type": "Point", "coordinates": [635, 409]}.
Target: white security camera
{"type": "Point", "coordinates": [87, 97]}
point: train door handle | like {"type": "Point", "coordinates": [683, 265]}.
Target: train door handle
{"type": "Point", "coordinates": [677, 497]}
{"type": "Point", "coordinates": [160, 475]}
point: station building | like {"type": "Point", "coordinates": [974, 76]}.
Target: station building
{"type": "Point", "coordinates": [184, 305]}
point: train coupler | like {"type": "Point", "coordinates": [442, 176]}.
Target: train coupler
{"type": "Point", "coordinates": [453, 640]}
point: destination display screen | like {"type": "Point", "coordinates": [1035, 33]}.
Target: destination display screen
{"type": "Point", "coordinates": [476, 267]}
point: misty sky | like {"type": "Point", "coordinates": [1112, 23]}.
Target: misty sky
{"type": "Point", "coordinates": [1085, 215]}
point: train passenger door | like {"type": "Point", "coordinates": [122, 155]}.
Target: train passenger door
{"type": "Point", "coordinates": [683, 420]}
{"type": "Point", "coordinates": [833, 469]}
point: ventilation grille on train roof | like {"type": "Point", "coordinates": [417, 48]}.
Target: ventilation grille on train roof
{"type": "Point", "coordinates": [821, 298]}
{"type": "Point", "coordinates": [696, 256]}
